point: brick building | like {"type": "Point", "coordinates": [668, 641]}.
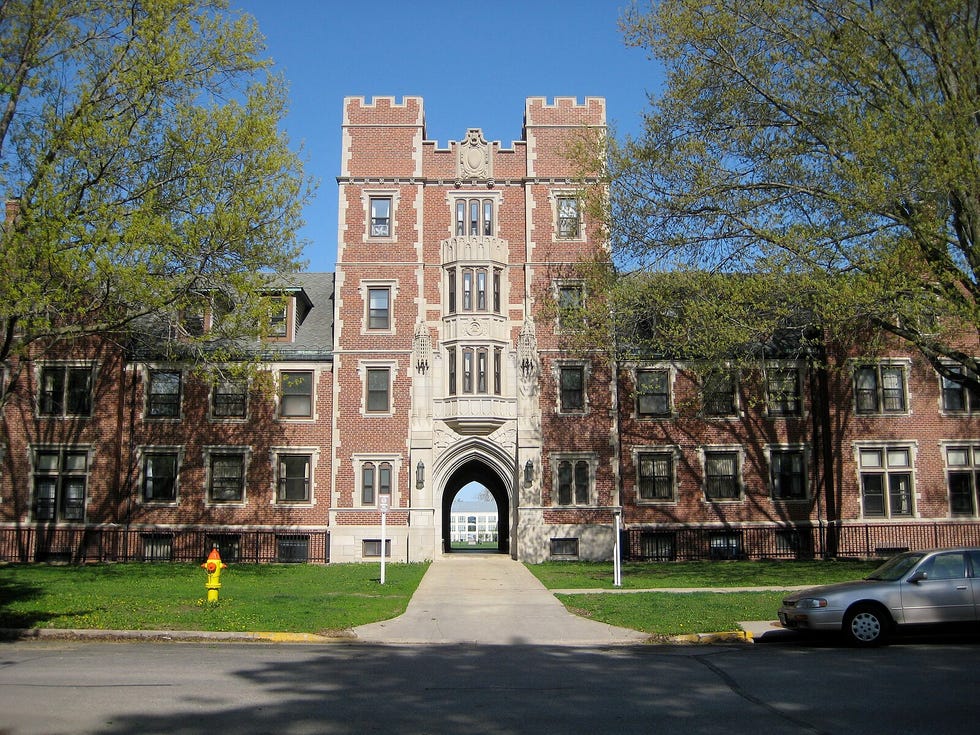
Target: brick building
{"type": "Point", "coordinates": [425, 363]}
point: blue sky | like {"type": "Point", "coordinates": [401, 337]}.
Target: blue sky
{"type": "Point", "coordinates": [473, 63]}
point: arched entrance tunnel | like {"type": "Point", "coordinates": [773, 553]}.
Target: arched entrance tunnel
{"type": "Point", "coordinates": [476, 471]}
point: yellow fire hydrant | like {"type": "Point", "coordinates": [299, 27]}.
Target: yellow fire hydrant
{"type": "Point", "coordinates": [213, 567]}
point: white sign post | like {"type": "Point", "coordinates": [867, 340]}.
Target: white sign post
{"type": "Point", "coordinates": [384, 503]}
{"type": "Point", "coordinates": [617, 551]}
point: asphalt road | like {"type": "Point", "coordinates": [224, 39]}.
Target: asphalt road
{"type": "Point", "coordinates": [916, 686]}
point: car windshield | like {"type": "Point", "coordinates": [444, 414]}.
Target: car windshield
{"type": "Point", "coordinates": [896, 567]}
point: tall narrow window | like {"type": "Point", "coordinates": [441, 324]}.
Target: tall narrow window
{"type": "Point", "coordinates": [451, 360]}
{"type": "Point", "coordinates": [487, 217]}
{"type": "Point", "coordinates": [296, 394]}
{"type": "Point", "coordinates": [481, 290]}
{"type": "Point", "coordinates": [378, 384]}
{"type": "Point", "coordinates": [380, 216]}
{"type": "Point", "coordinates": [481, 370]}
{"type": "Point", "coordinates": [467, 290]}
{"type": "Point", "coordinates": [367, 484]}
{"type": "Point", "coordinates": [496, 290]}
{"type": "Point", "coordinates": [497, 360]}
{"type": "Point", "coordinates": [384, 478]}
{"type": "Point", "coordinates": [451, 287]}
{"type": "Point", "coordinates": [467, 370]}
{"type": "Point", "coordinates": [568, 217]}
{"type": "Point", "coordinates": [379, 308]}
{"type": "Point", "coordinates": [474, 217]}
{"type": "Point", "coordinates": [570, 306]}
{"type": "Point", "coordinates": [460, 217]}
{"type": "Point", "coordinates": [572, 380]}
{"type": "Point", "coordinates": [963, 478]}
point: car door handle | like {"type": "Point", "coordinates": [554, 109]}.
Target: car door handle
{"type": "Point", "coordinates": [961, 586]}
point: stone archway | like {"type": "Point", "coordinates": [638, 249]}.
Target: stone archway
{"type": "Point", "coordinates": [475, 470]}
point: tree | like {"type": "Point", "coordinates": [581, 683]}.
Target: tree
{"type": "Point", "coordinates": [826, 152]}
{"type": "Point", "coordinates": [147, 176]}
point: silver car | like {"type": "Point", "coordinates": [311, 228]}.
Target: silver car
{"type": "Point", "coordinates": [916, 587]}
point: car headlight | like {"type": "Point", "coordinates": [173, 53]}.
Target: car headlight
{"type": "Point", "coordinates": [811, 602]}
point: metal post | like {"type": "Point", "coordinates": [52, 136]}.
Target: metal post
{"type": "Point", "coordinates": [617, 552]}
{"type": "Point", "coordinates": [384, 501]}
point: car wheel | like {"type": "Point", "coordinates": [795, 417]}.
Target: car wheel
{"type": "Point", "coordinates": [866, 625]}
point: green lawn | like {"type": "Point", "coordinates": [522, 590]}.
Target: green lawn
{"type": "Point", "coordinates": [665, 613]}
{"type": "Point", "coordinates": [306, 598]}
{"type": "Point", "coordinates": [291, 597]}
{"type": "Point", "coordinates": [653, 575]}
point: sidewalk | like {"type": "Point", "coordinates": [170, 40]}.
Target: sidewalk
{"type": "Point", "coordinates": [489, 599]}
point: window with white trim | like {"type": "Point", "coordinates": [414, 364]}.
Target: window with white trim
{"type": "Point", "coordinates": [569, 224]}
{"type": "Point", "coordinates": [653, 393]}
{"type": "Point", "coordinates": [719, 394]}
{"type": "Point", "coordinates": [957, 396]}
{"type": "Point", "coordinates": [229, 399]}
{"type": "Point", "coordinates": [880, 388]}
{"type": "Point", "coordinates": [571, 305]}
{"type": "Point", "coordinates": [574, 479]}
{"type": "Point", "coordinates": [655, 478]}
{"type": "Point", "coordinates": [963, 479]}
{"type": "Point", "coordinates": [571, 388]}
{"type": "Point", "coordinates": [60, 484]}
{"type": "Point", "coordinates": [886, 481]}
{"type": "Point", "coordinates": [474, 216]}
{"type": "Point", "coordinates": [380, 216]}
{"type": "Point", "coordinates": [379, 308]}
{"type": "Point", "coordinates": [722, 474]}
{"type": "Point", "coordinates": [163, 391]}
{"type": "Point", "coordinates": [296, 392]}
{"type": "Point", "coordinates": [226, 470]}
{"type": "Point", "coordinates": [294, 477]}
{"type": "Point", "coordinates": [377, 390]}
{"type": "Point", "coordinates": [783, 391]}
{"type": "Point", "coordinates": [65, 390]}
{"type": "Point", "coordinates": [376, 478]}
{"type": "Point", "coordinates": [161, 467]}
{"type": "Point", "coordinates": [787, 473]}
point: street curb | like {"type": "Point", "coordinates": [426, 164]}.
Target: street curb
{"type": "Point", "coordinates": [23, 634]}
{"type": "Point", "coordinates": [731, 636]}
{"type": "Point", "coordinates": [345, 636]}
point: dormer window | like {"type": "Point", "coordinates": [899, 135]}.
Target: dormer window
{"type": "Point", "coordinates": [278, 321]}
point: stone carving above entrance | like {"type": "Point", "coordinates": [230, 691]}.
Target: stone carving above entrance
{"type": "Point", "coordinates": [473, 160]}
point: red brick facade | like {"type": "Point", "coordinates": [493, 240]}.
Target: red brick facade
{"type": "Point", "coordinates": [425, 363]}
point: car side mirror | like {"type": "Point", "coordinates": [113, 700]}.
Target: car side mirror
{"type": "Point", "coordinates": [918, 577]}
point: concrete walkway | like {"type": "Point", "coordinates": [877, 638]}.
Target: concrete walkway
{"type": "Point", "coordinates": [489, 599]}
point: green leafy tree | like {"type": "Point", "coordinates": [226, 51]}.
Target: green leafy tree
{"type": "Point", "coordinates": [148, 183]}
{"type": "Point", "coordinates": [827, 152]}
